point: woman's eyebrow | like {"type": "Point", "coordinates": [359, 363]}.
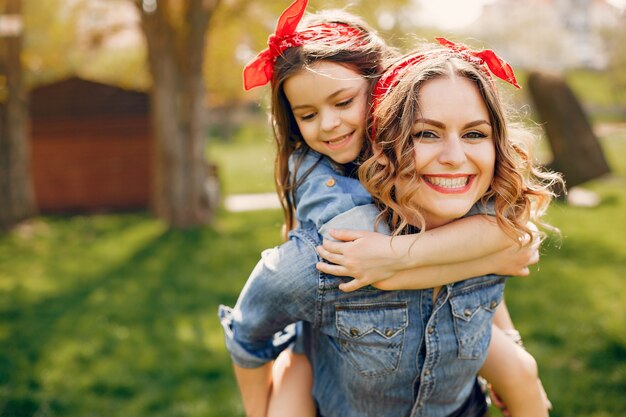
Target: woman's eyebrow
{"type": "Point", "coordinates": [430, 122]}
{"type": "Point", "coordinates": [443, 125]}
{"type": "Point", "coordinates": [477, 123]}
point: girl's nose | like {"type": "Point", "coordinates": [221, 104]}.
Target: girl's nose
{"type": "Point", "coordinates": [452, 152]}
{"type": "Point", "coordinates": [330, 120]}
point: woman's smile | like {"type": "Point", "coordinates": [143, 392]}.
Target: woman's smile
{"type": "Point", "coordinates": [449, 183]}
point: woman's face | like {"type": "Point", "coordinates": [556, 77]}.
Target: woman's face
{"type": "Point", "coordinates": [329, 103]}
{"type": "Point", "coordinates": [453, 148]}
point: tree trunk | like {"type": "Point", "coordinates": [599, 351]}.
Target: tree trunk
{"type": "Point", "coordinates": [576, 149]}
{"type": "Point", "coordinates": [176, 54]}
{"type": "Point", "coordinates": [16, 190]}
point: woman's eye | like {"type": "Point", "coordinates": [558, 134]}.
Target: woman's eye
{"type": "Point", "coordinates": [345, 103]}
{"type": "Point", "coordinates": [425, 134]}
{"type": "Point", "coordinates": [475, 135]}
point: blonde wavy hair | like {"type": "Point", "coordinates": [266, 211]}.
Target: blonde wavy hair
{"type": "Point", "coordinates": [520, 190]}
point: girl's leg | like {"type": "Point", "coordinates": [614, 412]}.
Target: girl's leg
{"type": "Point", "coordinates": [292, 382]}
{"type": "Point", "coordinates": [512, 373]}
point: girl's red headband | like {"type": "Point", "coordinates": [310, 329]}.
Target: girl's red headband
{"type": "Point", "coordinates": [259, 71]}
{"type": "Point", "coordinates": [487, 60]}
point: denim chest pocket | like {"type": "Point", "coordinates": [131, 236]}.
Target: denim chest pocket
{"type": "Point", "coordinates": [473, 316]}
{"type": "Point", "coordinates": [371, 336]}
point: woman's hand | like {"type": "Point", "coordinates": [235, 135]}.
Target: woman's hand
{"type": "Point", "coordinates": [368, 257]}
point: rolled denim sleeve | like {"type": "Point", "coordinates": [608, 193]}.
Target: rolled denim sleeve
{"type": "Point", "coordinates": [282, 289]}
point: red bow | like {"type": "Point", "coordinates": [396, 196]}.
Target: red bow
{"type": "Point", "coordinates": [498, 67]}
{"type": "Point", "coordinates": [494, 64]}
{"type": "Point", "coordinates": [260, 70]}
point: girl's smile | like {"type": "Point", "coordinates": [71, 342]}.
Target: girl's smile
{"type": "Point", "coordinates": [329, 103]}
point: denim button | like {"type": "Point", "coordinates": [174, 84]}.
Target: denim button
{"type": "Point", "coordinates": [431, 330]}
{"type": "Point", "coordinates": [493, 304]}
{"type": "Point", "coordinates": [389, 332]}
{"type": "Point", "coordinates": [330, 182]}
{"type": "Point", "coordinates": [354, 331]}
{"type": "Point", "coordinates": [467, 312]}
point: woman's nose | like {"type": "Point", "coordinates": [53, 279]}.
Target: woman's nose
{"type": "Point", "coordinates": [452, 152]}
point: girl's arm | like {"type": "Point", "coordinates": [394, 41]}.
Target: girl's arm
{"type": "Point", "coordinates": [463, 249]}
{"type": "Point", "coordinates": [510, 261]}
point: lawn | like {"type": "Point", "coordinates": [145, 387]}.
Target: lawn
{"type": "Point", "coordinates": [113, 315]}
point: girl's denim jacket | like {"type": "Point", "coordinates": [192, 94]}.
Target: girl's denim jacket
{"type": "Point", "coordinates": [374, 353]}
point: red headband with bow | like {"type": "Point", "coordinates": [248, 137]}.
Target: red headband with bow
{"type": "Point", "coordinates": [487, 59]}
{"type": "Point", "coordinates": [260, 70]}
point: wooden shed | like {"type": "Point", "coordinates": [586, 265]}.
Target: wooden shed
{"type": "Point", "coordinates": [90, 146]}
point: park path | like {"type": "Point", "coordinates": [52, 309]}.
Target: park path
{"type": "Point", "coordinates": [248, 202]}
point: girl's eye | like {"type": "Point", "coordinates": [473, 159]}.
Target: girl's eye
{"type": "Point", "coordinates": [345, 103]}
{"type": "Point", "coordinates": [308, 116]}
{"type": "Point", "coordinates": [474, 135]}
{"type": "Point", "coordinates": [425, 134]}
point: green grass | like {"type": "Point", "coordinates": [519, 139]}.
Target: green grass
{"type": "Point", "coordinates": [246, 161]}
{"type": "Point", "coordinates": [113, 315]}
{"type": "Point", "coordinates": [244, 168]}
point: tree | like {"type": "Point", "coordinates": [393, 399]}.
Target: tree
{"type": "Point", "coordinates": [16, 192]}
{"type": "Point", "coordinates": [175, 33]}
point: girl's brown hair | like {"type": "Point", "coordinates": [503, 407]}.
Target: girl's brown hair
{"type": "Point", "coordinates": [520, 190]}
{"type": "Point", "coordinates": [364, 54]}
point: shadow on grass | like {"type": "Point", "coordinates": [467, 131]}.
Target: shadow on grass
{"type": "Point", "coordinates": [138, 338]}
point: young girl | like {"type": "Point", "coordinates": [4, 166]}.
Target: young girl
{"type": "Point", "coordinates": [333, 138]}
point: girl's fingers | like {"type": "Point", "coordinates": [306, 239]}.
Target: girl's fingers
{"type": "Point", "coordinates": [329, 256]}
{"type": "Point", "coordinates": [353, 285]}
{"type": "Point", "coordinates": [345, 235]}
{"type": "Point", "coordinates": [334, 247]}
{"type": "Point", "coordinates": [336, 270]}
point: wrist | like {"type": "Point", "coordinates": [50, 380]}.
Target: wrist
{"type": "Point", "coordinates": [515, 336]}
{"type": "Point", "coordinates": [410, 255]}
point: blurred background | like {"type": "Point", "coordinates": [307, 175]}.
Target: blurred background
{"type": "Point", "coordinates": [136, 193]}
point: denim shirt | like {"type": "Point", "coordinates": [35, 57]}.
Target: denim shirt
{"type": "Point", "coordinates": [373, 353]}
{"type": "Point", "coordinates": [325, 192]}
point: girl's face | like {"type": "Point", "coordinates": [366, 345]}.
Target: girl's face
{"type": "Point", "coordinates": [453, 148]}
{"type": "Point", "coordinates": [329, 103]}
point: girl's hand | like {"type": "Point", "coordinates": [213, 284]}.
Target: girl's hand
{"type": "Point", "coordinates": [368, 257]}
{"type": "Point", "coordinates": [515, 260]}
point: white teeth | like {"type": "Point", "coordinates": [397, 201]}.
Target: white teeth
{"type": "Point", "coordinates": [448, 182]}
{"type": "Point", "coordinates": [341, 139]}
